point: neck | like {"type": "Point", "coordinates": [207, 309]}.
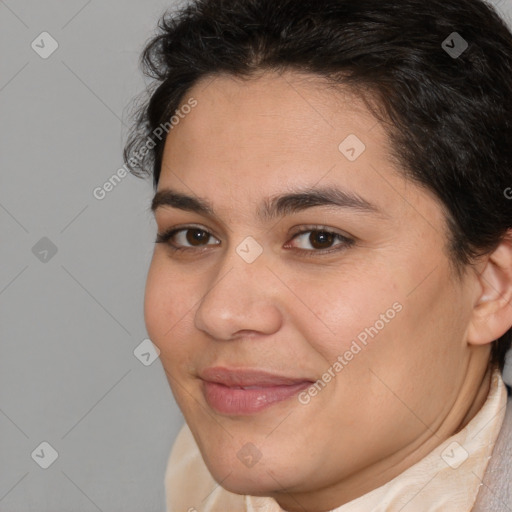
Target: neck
{"type": "Point", "coordinates": [479, 399]}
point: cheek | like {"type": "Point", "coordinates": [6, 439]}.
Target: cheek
{"type": "Point", "coordinates": [170, 300]}
{"type": "Point", "coordinates": [165, 302]}
{"type": "Point", "coordinates": [348, 308]}
{"type": "Point", "coordinates": [154, 304]}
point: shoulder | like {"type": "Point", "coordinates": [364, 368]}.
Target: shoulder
{"type": "Point", "coordinates": [495, 492]}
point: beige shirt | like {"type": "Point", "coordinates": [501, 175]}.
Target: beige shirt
{"type": "Point", "coordinates": [447, 479]}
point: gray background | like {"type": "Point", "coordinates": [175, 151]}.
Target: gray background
{"type": "Point", "coordinates": [70, 321]}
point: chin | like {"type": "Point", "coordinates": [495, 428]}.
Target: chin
{"type": "Point", "coordinates": [248, 481]}
{"type": "Point", "coordinates": [264, 478]}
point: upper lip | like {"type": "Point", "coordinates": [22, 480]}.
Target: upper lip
{"type": "Point", "coordinates": [247, 377]}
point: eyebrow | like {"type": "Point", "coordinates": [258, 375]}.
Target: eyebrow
{"type": "Point", "coordinates": [272, 207]}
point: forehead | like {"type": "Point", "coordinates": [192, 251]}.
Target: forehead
{"type": "Point", "coordinates": [306, 106]}
{"type": "Point", "coordinates": [252, 138]}
{"type": "Point", "coordinates": [285, 123]}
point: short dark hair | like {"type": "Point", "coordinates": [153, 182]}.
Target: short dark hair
{"type": "Point", "coordinates": [448, 116]}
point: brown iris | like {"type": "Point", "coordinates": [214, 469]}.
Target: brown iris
{"type": "Point", "coordinates": [321, 239]}
{"type": "Point", "coordinates": [196, 236]}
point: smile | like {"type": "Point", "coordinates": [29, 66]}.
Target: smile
{"type": "Point", "coordinates": [236, 392]}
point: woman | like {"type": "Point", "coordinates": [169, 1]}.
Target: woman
{"type": "Point", "coordinates": [331, 286]}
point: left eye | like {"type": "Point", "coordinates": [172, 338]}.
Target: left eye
{"type": "Point", "coordinates": [320, 239]}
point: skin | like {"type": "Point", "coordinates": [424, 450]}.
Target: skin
{"type": "Point", "coordinates": [420, 380]}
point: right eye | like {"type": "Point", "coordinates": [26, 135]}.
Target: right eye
{"type": "Point", "coordinates": [192, 235]}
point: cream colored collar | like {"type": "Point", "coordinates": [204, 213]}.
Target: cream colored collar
{"type": "Point", "coordinates": [448, 478]}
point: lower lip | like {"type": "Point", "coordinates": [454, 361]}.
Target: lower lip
{"type": "Point", "coordinates": [233, 401]}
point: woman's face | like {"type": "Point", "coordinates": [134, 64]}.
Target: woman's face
{"type": "Point", "coordinates": [277, 294]}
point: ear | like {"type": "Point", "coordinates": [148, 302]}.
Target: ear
{"type": "Point", "coordinates": [492, 312]}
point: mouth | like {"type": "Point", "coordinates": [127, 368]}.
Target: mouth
{"type": "Point", "coordinates": [244, 392]}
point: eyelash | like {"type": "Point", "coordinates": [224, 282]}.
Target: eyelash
{"type": "Point", "coordinates": [163, 238]}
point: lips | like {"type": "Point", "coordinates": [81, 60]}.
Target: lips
{"type": "Point", "coordinates": [241, 392]}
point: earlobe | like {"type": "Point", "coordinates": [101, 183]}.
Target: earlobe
{"type": "Point", "coordinates": [492, 313]}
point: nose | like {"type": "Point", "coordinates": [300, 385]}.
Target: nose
{"type": "Point", "coordinates": [239, 299]}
